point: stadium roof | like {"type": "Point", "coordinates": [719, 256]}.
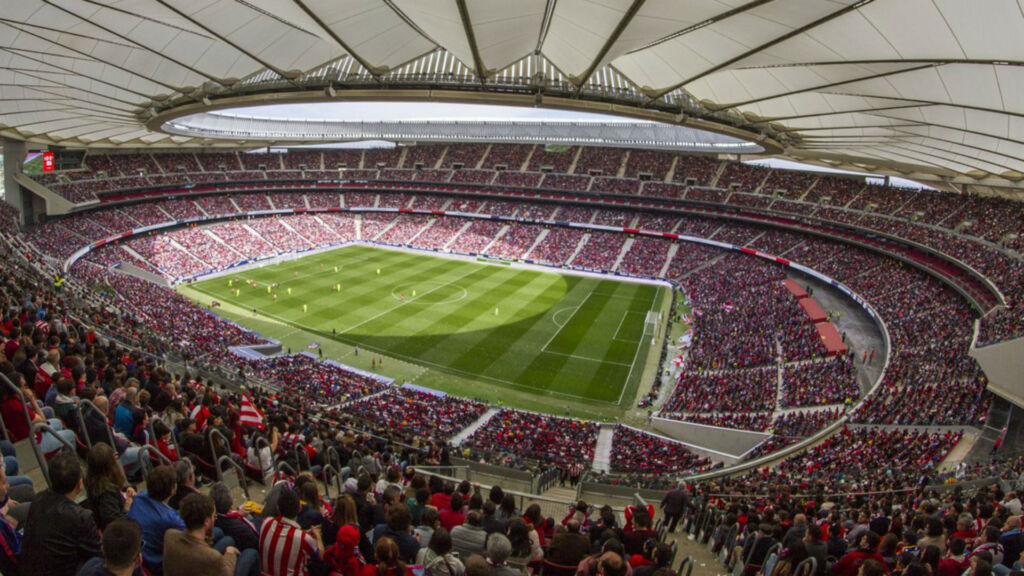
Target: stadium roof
{"type": "Point", "coordinates": [909, 86]}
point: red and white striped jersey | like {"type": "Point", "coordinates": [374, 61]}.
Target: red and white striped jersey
{"type": "Point", "coordinates": [285, 548]}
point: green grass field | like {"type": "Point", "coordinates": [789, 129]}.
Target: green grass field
{"type": "Point", "coordinates": [577, 338]}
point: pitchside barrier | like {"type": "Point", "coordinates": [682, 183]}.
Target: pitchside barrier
{"type": "Point", "coordinates": [507, 478]}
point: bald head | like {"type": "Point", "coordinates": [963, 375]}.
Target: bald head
{"type": "Point", "coordinates": [102, 403]}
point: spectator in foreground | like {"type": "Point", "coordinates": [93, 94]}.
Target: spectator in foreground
{"type": "Point", "coordinates": [110, 496]}
{"type": "Point", "coordinates": [437, 559]}
{"type": "Point", "coordinates": [388, 560]}
{"type": "Point", "coordinates": [234, 523]}
{"type": "Point", "coordinates": [189, 552]}
{"type": "Point", "coordinates": [499, 548]}
{"type": "Point", "coordinates": [152, 511]}
{"type": "Point", "coordinates": [867, 549]}
{"type": "Point", "coordinates": [60, 536]}
{"type": "Point", "coordinates": [122, 551]}
{"type": "Point", "coordinates": [282, 534]}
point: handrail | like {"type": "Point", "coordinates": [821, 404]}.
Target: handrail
{"type": "Point", "coordinates": [85, 430]}
{"type": "Point", "coordinates": [281, 464]}
{"type": "Point", "coordinates": [213, 448]}
{"type": "Point", "coordinates": [145, 464]}
{"type": "Point", "coordinates": [332, 458]}
{"type": "Point", "coordinates": [814, 566]}
{"type": "Point", "coordinates": [329, 473]}
{"type": "Point", "coordinates": [147, 449]}
{"type": "Point", "coordinates": [238, 470]}
{"type": "Point", "coordinates": [45, 428]}
{"type": "Point", "coordinates": [687, 563]}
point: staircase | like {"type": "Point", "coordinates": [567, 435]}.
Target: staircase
{"type": "Point", "coordinates": [603, 450]}
{"type": "Point", "coordinates": [469, 430]}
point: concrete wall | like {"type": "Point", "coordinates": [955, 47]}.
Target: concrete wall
{"type": "Point", "coordinates": [724, 444]}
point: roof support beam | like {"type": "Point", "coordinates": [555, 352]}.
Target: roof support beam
{"type": "Point", "coordinates": [716, 18]}
{"type": "Point", "coordinates": [837, 112]}
{"type": "Point", "coordinates": [608, 43]}
{"type": "Point", "coordinates": [225, 40]}
{"type": "Point", "coordinates": [545, 25]}
{"type": "Point", "coordinates": [374, 71]}
{"type": "Point", "coordinates": [819, 87]}
{"type": "Point", "coordinates": [126, 39]}
{"type": "Point", "coordinates": [467, 26]}
{"type": "Point", "coordinates": [791, 34]}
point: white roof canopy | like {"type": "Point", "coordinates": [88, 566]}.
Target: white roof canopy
{"type": "Point", "coordinates": [926, 85]}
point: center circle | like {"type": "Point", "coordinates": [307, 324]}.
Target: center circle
{"type": "Point", "coordinates": [428, 292]}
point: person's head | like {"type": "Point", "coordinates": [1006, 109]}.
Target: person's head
{"type": "Point", "coordinates": [345, 511]}
{"type": "Point", "coordinates": [533, 515]}
{"type": "Point", "coordinates": [102, 470]}
{"type": "Point", "coordinates": [222, 499]}
{"type": "Point", "coordinates": [288, 504]}
{"type": "Point", "coordinates": [122, 546]}
{"type": "Point", "coordinates": [103, 403]}
{"type": "Point", "coordinates": [430, 517]}
{"type": "Point", "coordinates": [888, 545]}
{"type": "Point", "coordinates": [309, 495]}
{"type": "Point", "coordinates": [162, 483]}
{"type": "Point", "coordinates": [981, 567]}
{"type": "Point", "coordinates": [499, 548]}
{"type": "Point", "coordinates": [572, 526]}
{"type": "Point", "coordinates": [519, 536]}
{"type": "Point", "coordinates": [872, 568]}
{"type": "Point", "coordinates": [477, 565]}
{"type": "Point", "coordinates": [813, 533]}
{"type": "Point", "coordinates": [934, 528]}
{"type": "Point", "coordinates": [642, 519]}
{"type": "Point", "coordinates": [456, 502]}
{"type": "Point", "coordinates": [662, 554]}
{"type": "Point", "coordinates": [474, 518]}
{"type": "Point", "coordinates": [185, 473]}
{"type": "Point", "coordinates": [496, 495]}
{"type": "Point", "coordinates": [197, 512]}
{"type": "Point", "coordinates": [508, 504]}
{"type": "Point", "coordinates": [65, 474]}
{"type": "Point", "coordinates": [611, 564]}
{"type": "Point", "coordinates": [992, 533]}
{"type": "Point", "coordinates": [398, 517]}
{"type": "Point", "coordinates": [441, 542]}
{"type": "Point", "coordinates": [385, 551]}
{"type": "Point", "coordinates": [869, 541]}
{"type": "Point", "coordinates": [956, 546]}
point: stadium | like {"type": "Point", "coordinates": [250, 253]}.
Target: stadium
{"type": "Point", "coordinates": [546, 287]}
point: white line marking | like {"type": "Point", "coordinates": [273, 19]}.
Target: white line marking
{"type": "Point", "coordinates": [409, 301]}
{"type": "Point", "coordinates": [588, 358]}
{"type": "Point", "coordinates": [616, 336]}
{"type": "Point", "coordinates": [639, 345]}
{"type": "Point", "coordinates": [544, 348]}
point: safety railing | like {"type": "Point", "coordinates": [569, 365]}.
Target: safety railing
{"type": "Point", "coordinates": [45, 428]}
{"type": "Point", "coordinates": [87, 405]}
{"type": "Point", "coordinates": [239, 474]}
{"type": "Point", "coordinates": [146, 455]}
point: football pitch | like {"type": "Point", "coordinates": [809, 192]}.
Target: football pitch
{"type": "Point", "coordinates": [538, 331]}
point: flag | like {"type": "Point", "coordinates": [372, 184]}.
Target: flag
{"type": "Point", "coordinates": [728, 307]}
{"type": "Point", "coordinates": [250, 415]}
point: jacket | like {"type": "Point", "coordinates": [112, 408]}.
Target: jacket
{"type": "Point", "coordinates": [106, 506]}
{"type": "Point", "coordinates": [467, 540]}
{"type": "Point", "coordinates": [568, 548]}
{"type": "Point", "coordinates": [59, 536]}
{"type": "Point", "coordinates": [185, 555]}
